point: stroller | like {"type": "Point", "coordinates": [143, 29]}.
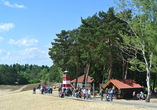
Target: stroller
{"type": "Point", "coordinates": [107, 97]}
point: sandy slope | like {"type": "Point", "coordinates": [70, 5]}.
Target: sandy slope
{"type": "Point", "coordinates": [27, 101]}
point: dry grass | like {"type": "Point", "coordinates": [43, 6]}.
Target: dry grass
{"type": "Point", "coordinates": [27, 87]}
{"type": "Point", "coordinates": [10, 87]}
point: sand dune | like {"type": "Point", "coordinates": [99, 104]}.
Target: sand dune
{"type": "Point", "coordinates": [25, 100]}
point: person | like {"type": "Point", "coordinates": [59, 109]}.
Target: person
{"type": "Point", "coordinates": [78, 93]}
{"type": "Point", "coordinates": [84, 93]}
{"type": "Point", "coordinates": [75, 92]}
{"type": "Point", "coordinates": [107, 95]}
{"type": "Point", "coordinates": [89, 94]}
{"type": "Point", "coordinates": [62, 94]}
{"type": "Point", "coordinates": [34, 90]}
{"type": "Point", "coordinates": [59, 90]}
{"type": "Point", "coordinates": [42, 89]}
{"type": "Point", "coordinates": [141, 95]}
{"type": "Point", "coordinates": [50, 90]}
{"type": "Point", "coordinates": [39, 85]}
{"type": "Point", "coordinates": [111, 93]}
{"type": "Point", "coordinates": [101, 94]}
{"type": "Point", "coordinates": [70, 92]}
{"type": "Point", "coordinates": [134, 95]}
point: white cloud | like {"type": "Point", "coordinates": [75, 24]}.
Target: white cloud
{"type": "Point", "coordinates": [1, 39]}
{"type": "Point", "coordinates": [27, 56]}
{"type": "Point", "coordinates": [7, 3]}
{"type": "Point", "coordinates": [6, 27]}
{"type": "Point", "coordinates": [24, 42]}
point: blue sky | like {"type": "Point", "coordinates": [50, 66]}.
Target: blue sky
{"type": "Point", "coordinates": [27, 27]}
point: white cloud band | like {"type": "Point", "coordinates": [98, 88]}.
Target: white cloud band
{"type": "Point", "coordinates": [27, 56]}
{"type": "Point", "coordinates": [6, 26]}
{"type": "Point", "coordinates": [12, 5]}
{"type": "Point", "coordinates": [24, 42]}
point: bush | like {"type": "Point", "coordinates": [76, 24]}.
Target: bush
{"type": "Point", "coordinates": [34, 80]}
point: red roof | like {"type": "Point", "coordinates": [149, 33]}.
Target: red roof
{"type": "Point", "coordinates": [81, 78]}
{"type": "Point", "coordinates": [123, 83]}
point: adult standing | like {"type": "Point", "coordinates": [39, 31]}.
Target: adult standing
{"type": "Point", "coordinates": [84, 93]}
{"type": "Point", "coordinates": [42, 89]}
{"type": "Point", "coordinates": [89, 94]}
{"type": "Point", "coordinates": [134, 95]}
{"type": "Point", "coordinates": [59, 90]}
{"type": "Point", "coordinates": [107, 94]}
{"type": "Point", "coordinates": [34, 90]}
{"type": "Point", "coordinates": [111, 93]}
{"type": "Point", "coordinates": [101, 94]}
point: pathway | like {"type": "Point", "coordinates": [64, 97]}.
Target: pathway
{"type": "Point", "coordinates": [136, 103]}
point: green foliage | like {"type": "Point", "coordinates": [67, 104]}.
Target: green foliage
{"type": "Point", "coordinates": [23, 78]}
{"type": "Point", "coordinates": [140, 45]}
{"type": "Point", "coordinates": [22, 74]}
{"type": "Point", "coordinates": [55, 74]}
{"type": "Point", "coordinates": [8, 74]}
{"type": "Point", "coordinates": [91, 43]}
{"type": "Point", "coordinates": [35, 80]}
{"type": "Point", "coordinates": [97, 42]}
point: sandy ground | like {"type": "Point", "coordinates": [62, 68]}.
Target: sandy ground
{"type": "Point", "coordinates": [27, 101]}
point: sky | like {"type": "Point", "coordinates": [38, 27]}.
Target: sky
{"type": "Point", "coordinates": [27, 27]}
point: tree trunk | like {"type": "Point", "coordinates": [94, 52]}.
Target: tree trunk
{"type": "Point", "coordinates": [123, 70]}
{"type": "Point", "coordinates": [76, 76]}
{"type": "Point", "coordinates": [88, 67]}
{"type": "Point", "coordinates": [103, 75]}
{"type": "Point", "coordinates": [148, 68]}
{"type": "Point", "coordinates": [126, 71]}
{"type": "Point", "coordinates": [148, 86]}
{"type": "Point", "coordinates": [86, 73]}
{"type": "Point", "coordinates": [111, 63]}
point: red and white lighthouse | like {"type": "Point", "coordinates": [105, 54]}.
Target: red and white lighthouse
{"type": "Point", "coordinates": [66, 80]}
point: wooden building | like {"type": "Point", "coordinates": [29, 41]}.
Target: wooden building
{"type": "Point", "coordinates": [123, 87]}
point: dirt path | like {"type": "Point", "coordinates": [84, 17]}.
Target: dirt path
{"type": "Point", "coordinates": [10, 91]}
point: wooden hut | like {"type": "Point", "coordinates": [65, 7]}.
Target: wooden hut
{"type": "Point", "coordinates": [123, 87]}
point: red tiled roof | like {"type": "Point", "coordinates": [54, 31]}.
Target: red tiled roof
{"type": "Point", "coordinates": [123, 83]}
{"type": "Point", "coordinates": [81, 78]}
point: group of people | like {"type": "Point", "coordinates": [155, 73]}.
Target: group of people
{"type": "Point", "coordinates": [86, 93]}
{"type": "Point", "coordinates": [108, 92]}
{"type": "Point", "coordinates": [63, 91]}
{"type": "Point", "coordinates": [43, 89]}
{"type": "Point", "coordinates": [82, 92]}
{"type": "Point", "coordinates": [76, 92]}
{"type": "Point", "coordinates": [139, 95]}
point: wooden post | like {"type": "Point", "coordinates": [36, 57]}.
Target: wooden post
{"type": "Point", "coordinates": [93, 90]}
